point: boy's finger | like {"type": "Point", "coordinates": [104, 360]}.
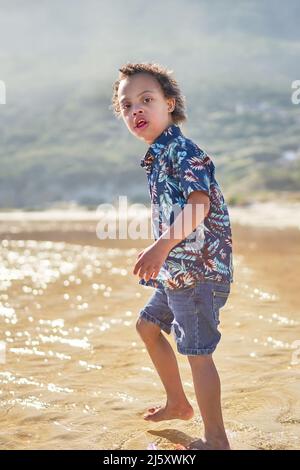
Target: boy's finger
{"type": "Point", "coordinates": [148, 273]}
{"type": "Point", "coordinates": [136, 267]}
{"type": "Point", "coordinates": [137, 264]}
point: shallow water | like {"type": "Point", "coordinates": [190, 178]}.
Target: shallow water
{"type": "Point", "coordinates": [77, 376]}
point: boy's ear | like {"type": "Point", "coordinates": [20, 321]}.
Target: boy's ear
{"type": "Point", "coordinates": [171, 104]}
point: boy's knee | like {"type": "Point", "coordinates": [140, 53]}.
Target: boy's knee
{"type": "Point", "coordinates": [148, 331]}
{"type": "Point", "coordinates": [200, 360]}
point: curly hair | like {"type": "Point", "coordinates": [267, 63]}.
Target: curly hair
{"type": "Point", "coordinates": [169, 86]}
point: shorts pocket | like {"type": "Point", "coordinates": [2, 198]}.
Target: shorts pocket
{"type": "Point", "coordinates": [219, 300]}
{"type": "Point", "coordinates": [181, 291]}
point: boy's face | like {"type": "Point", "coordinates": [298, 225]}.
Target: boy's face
{"type": "Point", "coordinates": [141, 99]}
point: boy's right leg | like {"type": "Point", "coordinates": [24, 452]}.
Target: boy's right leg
{"type": "Point", "coordinates": [164, 360]}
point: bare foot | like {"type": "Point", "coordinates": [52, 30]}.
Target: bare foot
{"type": "Point", "coordinates": [209, 445]}
{"type": "Point", "coordinates": [160, 413]}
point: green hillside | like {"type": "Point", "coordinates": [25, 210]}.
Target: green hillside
{"type": "Point", "coordinates": [59, 139]}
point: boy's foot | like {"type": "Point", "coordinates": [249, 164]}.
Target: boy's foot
{"type": "Point", "coordinates": [209, 445]}
{"type": "Point", "coordinates": [160, 413]}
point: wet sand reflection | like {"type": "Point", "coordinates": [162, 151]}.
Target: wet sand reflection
{"type": "Point", "coordinates": [77, 375]}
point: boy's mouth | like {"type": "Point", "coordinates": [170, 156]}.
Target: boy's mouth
{"type": "Point", "coordinates": [141, 124]}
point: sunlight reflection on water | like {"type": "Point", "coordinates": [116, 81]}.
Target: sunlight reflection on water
{"type": "Point", "coordinates": [75, 365]}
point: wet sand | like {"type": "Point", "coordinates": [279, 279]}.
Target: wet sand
{"type": "Point", "coordinates": [76, 374]}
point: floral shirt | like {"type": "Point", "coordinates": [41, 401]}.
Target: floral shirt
{"type": "Point", "coordinates": [176, 167]}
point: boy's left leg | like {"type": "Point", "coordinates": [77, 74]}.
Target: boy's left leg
{"type": "Point", "coordinates": [164, 360]}
{"type": "Point", "coordinates": [156, 317]}
{"type": "Point", "coordinates": [208, 392]}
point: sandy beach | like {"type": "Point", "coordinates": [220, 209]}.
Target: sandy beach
{"type": "Point", "coordinates": [77, 376]}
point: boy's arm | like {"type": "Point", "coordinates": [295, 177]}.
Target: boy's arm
{"type": "Point", "coordinates": [152, 258]}
{"type": "Point", "coordinates": [188, 219]}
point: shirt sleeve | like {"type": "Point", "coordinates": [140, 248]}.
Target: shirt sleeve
{"type": "Point", "coordinates": [194, 169]}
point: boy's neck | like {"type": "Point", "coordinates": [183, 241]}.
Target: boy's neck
{"type": "Point", "coordinates": [166, 127]}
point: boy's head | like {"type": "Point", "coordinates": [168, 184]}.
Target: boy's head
{"type": "Point", "coordinates": [147, 93]}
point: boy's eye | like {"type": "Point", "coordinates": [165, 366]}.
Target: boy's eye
{"type": "Point", "coordinates": [125, 106]}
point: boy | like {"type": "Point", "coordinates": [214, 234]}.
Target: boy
{"type": "Point", "coordinates": [191, 278]}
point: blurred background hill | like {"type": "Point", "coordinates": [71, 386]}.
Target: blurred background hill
{"type": "Point", "coordinates": [235, 62]}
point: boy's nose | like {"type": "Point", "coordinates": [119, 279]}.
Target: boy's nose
{"type": "Point", "coordinates": [140, 111]}
{"type": "Point", "coordinates": [136, 109]}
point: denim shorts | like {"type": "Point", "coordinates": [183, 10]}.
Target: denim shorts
{"type": "Point", "coordinates": [191, 314]}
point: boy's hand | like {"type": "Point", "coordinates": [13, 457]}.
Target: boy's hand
{"type": "Point", "coordinates": [150, 261]}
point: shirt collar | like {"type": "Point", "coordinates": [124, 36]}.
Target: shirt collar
{"type": "Point", "coordinates": [170, 133]}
